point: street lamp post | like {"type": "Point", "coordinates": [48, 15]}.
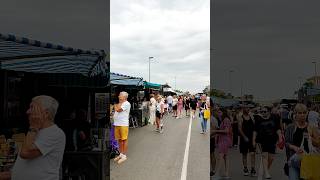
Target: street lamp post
{"type": "Point", "coordinates": [315, 68]}
{"type": "Point", "coordinates": [241, 91]}
{"type": "Point", "coordinates": [230, 85]}
{"type": "Point", "coordinates": [300, 82]}
{"type": "Point", "coordinates": [175, 83]}
{"type": "Point", "coordinates": [149, 67]}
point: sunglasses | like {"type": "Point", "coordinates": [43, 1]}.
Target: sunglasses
{"type": "Point", "coordinates": [263, 111]}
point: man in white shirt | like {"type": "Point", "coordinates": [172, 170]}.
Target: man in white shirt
{"type": "Point", "coordinates": [41, 154]}
{"type": "Point", "coordinates": [121, 123]}
{"type": "Point", "coordinates": [170, 101]}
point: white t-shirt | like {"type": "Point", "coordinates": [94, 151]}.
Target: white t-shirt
{"type": "Point", "coordinates": [153, 102]}
{"type": "Point", "coordinates": [313, 118]}
{"type": "Point", "coordinates": [51, 143]}
{"type": "Point", "coordinates": [159, 106]}
{"type": "Point", "coordinates": [122, 118]}
{"type": "Point", "coordinates": [175, 101]}
{"type": "Point", "coordinates": [169, 99]}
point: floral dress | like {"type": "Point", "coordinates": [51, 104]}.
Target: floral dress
{"type": "Point", "coordinates": [224, 139]}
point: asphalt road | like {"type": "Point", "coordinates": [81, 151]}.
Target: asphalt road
{"type": "Point", "coordinates": [154, 156]}
{"type": "Point", "coordinates": [236, 167]}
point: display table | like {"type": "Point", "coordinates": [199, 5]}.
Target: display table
{"type": "Point", "coordinates": [86, 165]}
{"type": "Point", "coordinates": [141, 115]}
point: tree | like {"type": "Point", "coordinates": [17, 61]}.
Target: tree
{"type": "Point", "coordinates": [217, 93]}
{"type": "Point", "coordinates": [308, 84]}
{"type": "Point", "coordinates": [206, 90]}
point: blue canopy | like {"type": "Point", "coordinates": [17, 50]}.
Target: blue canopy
{"type": "Point", "coordinates": [152, 85]}
{"type": "Point", "coordinates": [120, 79]}
{"type": "Point", "coordinates": [225, 102]}
{"type": "Point", "coordinates": [22, 54]}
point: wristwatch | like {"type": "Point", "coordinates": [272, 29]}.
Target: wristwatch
{"type": "Point", "coordinates": [33, 130]}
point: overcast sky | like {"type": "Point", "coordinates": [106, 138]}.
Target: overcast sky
{"type": "Point", "coordinates": [268, 44]}
{"type": "Point", "coordinates": [175, 32]}
{"type": "Point", "coordinates": [77, 23]}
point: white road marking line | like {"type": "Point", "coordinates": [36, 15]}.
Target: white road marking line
{"type": "Point", "coordinates": [186, 154]}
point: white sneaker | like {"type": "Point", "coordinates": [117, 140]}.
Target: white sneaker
{"type": "Point", "coordinates": [267, 176]}
{"type": "Point", "coordinates": [123, 158]}
{"type": "Point", "coordinates": [117, 158]}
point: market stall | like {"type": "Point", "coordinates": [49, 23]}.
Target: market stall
{"type": "Point", "coordinates": [152, 88]}
{"type": "Point", "coordinates": [167, 90]}
{"type": "Point", "coordinates": [133, 86]}
{"type": "Point", "coordinates": [78, 79]}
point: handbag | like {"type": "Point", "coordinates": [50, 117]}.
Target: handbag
{"type": "Point", "coordinates": [310, 163]}
{"type": "Point", "coordinates": [206, 113]}
{"type": "Point", "coordinates": [282, 144]}
{"type": "Point", "coordinates": [310, 166]}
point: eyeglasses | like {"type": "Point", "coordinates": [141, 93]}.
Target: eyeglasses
{"type": "Point", "coordinates": [263, 111]}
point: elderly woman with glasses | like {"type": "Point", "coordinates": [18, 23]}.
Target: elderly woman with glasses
{"type": "Point", "coordinates": [266, 133]}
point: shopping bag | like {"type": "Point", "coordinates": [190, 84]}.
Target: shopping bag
{"type": "Point", "coordinates": [206, 114]}
{"type": "Point", "coordinates": [281, 144]}
{"type": "Point", "coordinates": [310, 164]}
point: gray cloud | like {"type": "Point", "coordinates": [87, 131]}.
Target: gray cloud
{"type": "Point", "coordinates": [80, 24]}
{"type": "Point", "coordinates": [175, 33]}
{"type": "Point", "coordinates": [269, 44]}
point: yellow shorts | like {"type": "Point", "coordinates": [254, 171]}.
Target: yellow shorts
{"type": "Point", "coordinates": [121, 132]}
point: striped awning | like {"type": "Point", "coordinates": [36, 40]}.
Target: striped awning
{"type": "Point", "coordinates": [22, 54]}
{"type": "Point", "coordinates": [121, 79]}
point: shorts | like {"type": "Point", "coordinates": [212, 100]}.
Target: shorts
{"type": "Point", "coordinates": [268, 147]}
{"type": "Point", "coordinates": [246, 147]}
{"type": "Point", "coordinates": [121, 132]}
{"type": "Point", "coordinates": [193, 108]}
{"type": "Point", "coordinates": [175, 107]}
{"type": "Point", "coordinates": [170, 105]}
{"type": "Point", "coordinates": [158, 114]}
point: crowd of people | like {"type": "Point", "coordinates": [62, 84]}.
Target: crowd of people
{"type": "Point", "coordinates": [161, 106]}
{"type": "Point", "coordinates": [264, 129]}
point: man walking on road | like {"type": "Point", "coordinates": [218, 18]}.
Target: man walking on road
{"type": "Point", "coordinates": [246, 128]}
{"type": "Point", "coordinates": [170, 101]}
{"type": "Point", "coordinates": [193, 106]}
{"type": "Point", "coordinates": [121, 123]}
{"type": "Point", "coordinates": [266, 133]}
